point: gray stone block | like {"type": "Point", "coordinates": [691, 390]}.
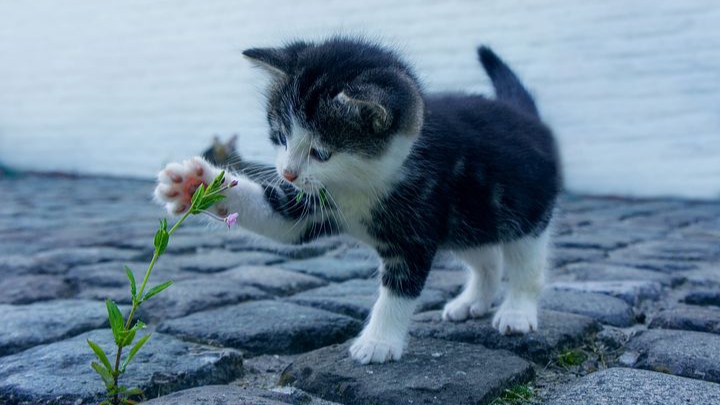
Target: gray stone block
{"type": "Point", "coordinates": [603, 239]}
{"type": "Point", "coordinates": [189, 296]}
{"type": "Point", "coordinates": [618, 386]}
{"type": "Point", "coordinates": [609, 272]}
{"type": "Point", "coordinates": [214, 261]}
{"type": "Point", "coordinates": [355, 298]}
{"type": "Point", "coordinates": [58, 261]}
{"type": "Point", "coordinates": [701, 319]}
{"type": "Point", "coordinates": [217, 394]}
{"type": "Point", "coordinates": [59, 373]}
{"type": "Point", "coordinates": [24, 326]}
{"type": "Point", "coordinates": [262, 327]}
{"type": "Point", "coordinates": [32, 288]}
{"type": "Point", "coordinates": [272, 279]}
{"type": "Point", "coordinates": [430, 372]}
{"type": "Point", "coordinates": [673, 249]}
{"type": "Point", "coordinates": [562, 256]}
{"type": "Point", "coordinates": [245, 241]}
{"type": "Point", "coordinates": [605, 309]}
{"type": "Point", "coordinates": [333, 269]}
{"type": "Point", "coordinates": [112, 274]}
{"type": "Point", "coordinates": [688, 354]}
{"type": "Point", "coordinates": [632, 292]}
{"type": "Point", "coordinates": [703, 297]}
{"type": "Point", "coordinates": [557, 331]}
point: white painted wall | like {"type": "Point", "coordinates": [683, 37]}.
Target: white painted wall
{"type": "Point", "coordinates": [122, 86]}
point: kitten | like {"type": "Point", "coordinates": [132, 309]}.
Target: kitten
{"type": "Point", "coordinates": [363, 151]}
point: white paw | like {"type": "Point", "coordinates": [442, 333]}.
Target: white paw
{"type": "Point", "coordinates": [365, 350]}
{"type": "Point", "coordinates": [462, 308]}
{"type": "Point", "coordinates": [516, 320]}
{"type": "Point", "coordinates": [178, 181]}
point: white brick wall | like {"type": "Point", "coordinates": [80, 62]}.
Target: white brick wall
{"type": "Point", "coordinates": [121, 87]}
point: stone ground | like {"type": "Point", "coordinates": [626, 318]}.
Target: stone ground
{"type": "Point", "coordinates": [631, 313]}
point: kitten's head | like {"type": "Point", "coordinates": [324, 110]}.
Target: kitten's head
{"type": "Point", "coordinates": [343, 113]}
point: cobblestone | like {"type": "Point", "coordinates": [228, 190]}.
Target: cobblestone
{"type": "Point", "coordinates": [689, 318]}
{"type": "Point", "coordinates": [678, 352]}
{"type": "Point", "coordinates": [557, 331]}
{"type": "Point", "coordinates": [261, 327]}
{"type": "Point", "coordinates": [637, 387]}
{"type": "Point", "coordinates": [58, 373]}
{"type": "Point", "coordinates": [356, 297]}
{"type": "Point", "coordinates": [334, 270]}
{"type": "Point", "coordinates": [605, 309]}
{"type": "Point", "coordinates": [25, 326]}
{"type": "Point", "coordinates": [432, 372]}
{"type": "Point", "coordinates": [634, 283]}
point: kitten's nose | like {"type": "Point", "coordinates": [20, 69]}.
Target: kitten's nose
{"type": "Point", "coordinates": [289, 176]}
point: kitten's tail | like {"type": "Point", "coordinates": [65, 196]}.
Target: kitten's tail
{"type": "Point", "coordinates": [508, 87]}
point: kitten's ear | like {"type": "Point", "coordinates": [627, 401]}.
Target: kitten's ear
{"type": "Point", "coordinates": [231, 143]}
{"type": "Point", "coordinates": [217, 146]}
{"type": "Point", "coordinates": [278, 61]}
{"type": "Point", "coordinates": [368, 101]}
{"type": "Point", "coordinates": [274, 60]}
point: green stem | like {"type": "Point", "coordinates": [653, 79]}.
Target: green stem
{"type": "Point", "coordinates": [136, 304]}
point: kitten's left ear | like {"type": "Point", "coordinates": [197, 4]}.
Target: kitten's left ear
{"type": "Point", "coordinates": [367, 100]}
{"type": "Point", "coordinates": [278, 61]}
{"type": "Point", "coordinates": [274, 60]}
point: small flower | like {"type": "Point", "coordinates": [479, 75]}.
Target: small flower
{"type": "Point", "coordinates": [233, 183]}
{"type": "Point", "coordinates": [231, 219]}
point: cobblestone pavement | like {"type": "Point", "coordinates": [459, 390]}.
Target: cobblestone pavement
{"type": "Point", "coordinates": [631, 313]}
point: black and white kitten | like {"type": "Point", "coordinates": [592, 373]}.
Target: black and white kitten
{"type": "Point", "coordinates": [362, 151]}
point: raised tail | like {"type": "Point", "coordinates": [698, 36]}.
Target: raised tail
{"type": "Point", "coordinates": [508, 87]}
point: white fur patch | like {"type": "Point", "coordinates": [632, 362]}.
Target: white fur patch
{"type": "Point", "coordinates": [525, 263]}
{"type": "Point", "coordinates": [485, 268]}
{"type": "Point", "coordinates": [383, 338]}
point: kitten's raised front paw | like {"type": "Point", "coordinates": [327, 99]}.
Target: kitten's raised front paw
{"type": "Point", "coordinates": [178, 181]}
{"type": "Point", "coordinates": [516, 320]}
{"type": "Point", "coordinates": [462, 308]}
{"type": "Point", "coordinates": [365, 350]}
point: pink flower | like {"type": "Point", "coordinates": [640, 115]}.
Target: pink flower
{"type": "Point", "coordinates": [233, 183]}
{"type": "Point", "coordinates": [231, 219]}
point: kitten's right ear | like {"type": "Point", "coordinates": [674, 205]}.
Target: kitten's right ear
{"type": "Point", "coordinates": [274, 60]}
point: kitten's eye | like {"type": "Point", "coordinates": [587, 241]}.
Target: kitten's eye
{"type": "Point", "coordinates": [280, 139]}
{"type": "Point", "coordinates": [320, 155]}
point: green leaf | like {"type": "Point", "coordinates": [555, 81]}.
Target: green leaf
{"type": "Point", "coordinates": [199, 194]}
{"type": "Point", "coordinates": [101, 355]}
{"type": "Point", "coordinates": [138, 325]}
{"type": "Point", "coordinates": [217, 182]}
{"type": "Point", "coordinates": [116, 321]}
{"type": "Point", "coordinates": [207, 202]}
{"type": "Point", "coordinates": [104, 374]}
{"type": "Point", "coordinates": [157, 289]}
{"type": "Point", "coordinates": [134, 351]}
{"type": "Point", "coordinates": [161, 240]}
{"type": "Point", "coordinates": [299, 196]}
{"type": "Point", "coordinates": [133, 287]}
{"type": "Point", "coordinates": [128, 337]}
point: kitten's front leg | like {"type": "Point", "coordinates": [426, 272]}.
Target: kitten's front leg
{"type": "Point", "coordinates": [178, 182]}
{"type": "Point", "coordinates": [383, 338]}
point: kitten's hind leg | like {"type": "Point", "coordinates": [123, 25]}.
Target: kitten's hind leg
{"type": "Point", "coordinates": [485, 268]}
{"type": "Point", "coordinates": [525, 262]}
